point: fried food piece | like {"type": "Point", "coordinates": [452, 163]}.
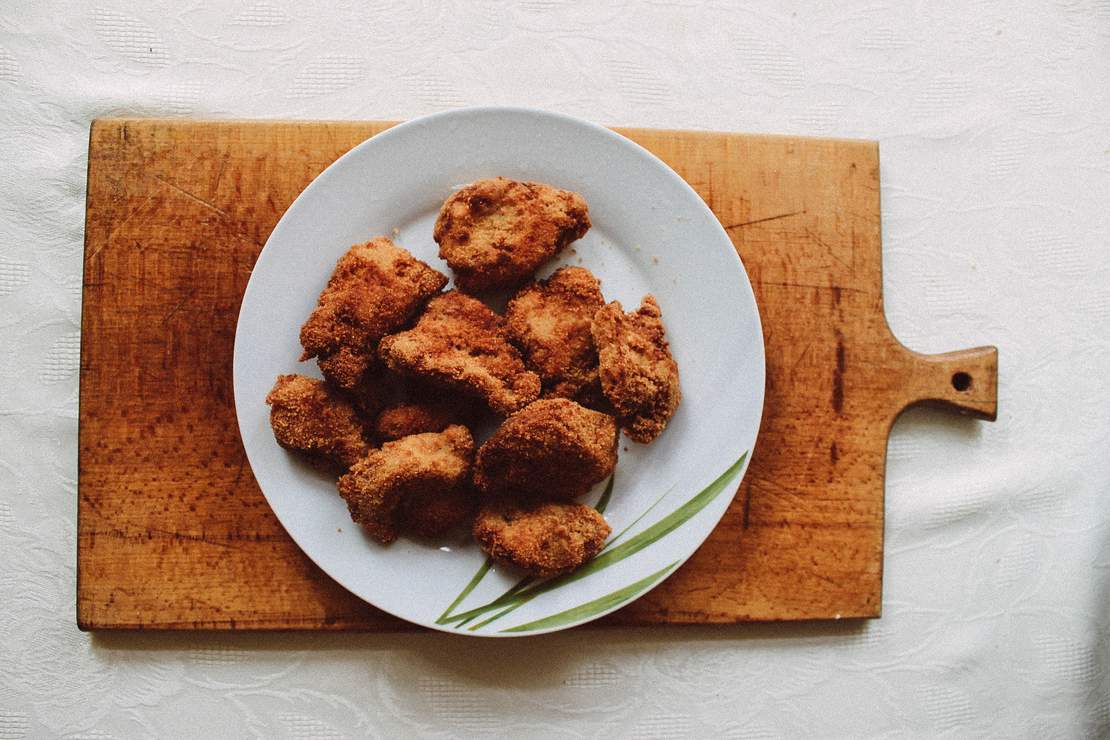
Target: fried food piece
{"type": "Point", "coordinates": [551, 321]}
{"type": "Point", "coordinates": [495, 233]}
{"type": "Point", "coordinates": [432, 514]}
{"type": "Point", "coordinates": [459, 344]}
{"type": "Point", "coordinates": [344, 368]}
{"type": "Point", "coordinates": [552, 449]}
{"type": "Point", "coordinates": [542, 539]}
{"type": "Point", "coordinates": [309, 417]}
{"type": "Point", "coordinates": [375, 389]}
{"type": "Point", "coordinates": [638, 374]}
{"type": "Point", "coordinates": [420, 466]}
{"type": "Point", "coordinates": [417, 416]}
{"type": "Point", "coordinates": [590, 396]}
{"type": "Point", "coordinates": [421, 407]}
{"type": "Point", "coordinates": [375, 289]}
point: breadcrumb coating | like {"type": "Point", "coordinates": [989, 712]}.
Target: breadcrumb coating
{"type": "Point", "coordinates": [422, 465]}
{"type": "Point", "coordinates": [541, 539]}
{"type": "Point", "coordinates": [495, 233]}
{"type": "Point", "coordinates": [638, 374]}
{"type": "Point", "coordinates": [309, 417]}
{"type": "Point", "coordinates": [460, 344]}
{"type": "Point", "coordinates": [432, 514]}
{"type": "Point", "coordinates": [552, 449]}
{"type": "Point", "coordinates": [375, 289]}
{"type": "Point", "coordinates": [550, 320]}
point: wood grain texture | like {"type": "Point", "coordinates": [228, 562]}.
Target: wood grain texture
{"type": "Point", "coordinates": [173, 530]}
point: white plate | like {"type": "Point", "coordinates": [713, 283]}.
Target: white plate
{"type": "Point", "coordinates": [651, 233]}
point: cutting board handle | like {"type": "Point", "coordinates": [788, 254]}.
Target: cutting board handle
{"type": "Point", "coordinates": [965, 381]}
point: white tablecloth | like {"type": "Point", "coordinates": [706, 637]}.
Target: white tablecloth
{"type": "Point", "coordinates": [994, 122]}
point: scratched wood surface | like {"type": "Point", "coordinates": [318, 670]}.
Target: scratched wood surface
{"type": "Point", "coordinates": [173, 530]}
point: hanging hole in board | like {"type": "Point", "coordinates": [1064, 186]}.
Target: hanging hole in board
{"type": "Point", "coordinates": [961, 381]}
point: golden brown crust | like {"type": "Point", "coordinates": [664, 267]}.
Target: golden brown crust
{"type": "Point", "coordinates": [423, 465]}
{"type": "Point", "coordinates": [459, 344]}
{"type": "Point", "coordinates": [544, 539]}
{"type": "Point", "coordinates": [495, 233]}
{"type": "Point", "coordinates": [309, 417]}
{"type": "Point", "coordinates": [375, 289]}
{"type": "Point", "coordinates": [344, 368]}
{"type": "Point", "coordinates": [419, 415]}
{"type": "Point", "coordinates": [374, 390]}
{"type": "Point", "coordinates": [432, 514]}
{"type": "Point", "coordinates": [552, 449]}
{"type": "Point", "coordinates": [589, 395]}
{"type": "Point", "coordinates": [550, 320]}
{"type": "Point", "coordinates": [638, 374]}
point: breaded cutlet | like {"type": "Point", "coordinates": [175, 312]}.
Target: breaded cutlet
{"type": "Point", "coordinates": [459, 344]}
{"type": "Point", "coordinates": [552, 449]}
{"type": "Point", "coordinates": [550, 320]}
{"type": "Point", "coordinates": [310, 418]}
{"type": "Point", "coordinates": [542, 539]}
{"type": "Point", "coordinates": [376, 288]}
{"type": "Point", "coordinates": [495, 233]}
{"type": "Point", "coordinates": [422, 465]}
{"type": "Point", "coordinates": [638, 374]}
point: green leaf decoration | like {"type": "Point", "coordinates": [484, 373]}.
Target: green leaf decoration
{"type": "Point", "coordinates": [660, 529]}
{"type": "Point", "coordinates": [508, 598]}
{"type": "Point", "coordinates": [518, 596]}
{"type": "Point", "coordinates": [595, 607]}
{"type": "Point", "coordinates": [498, 615]}
{"type": "Point", "coordinates": [613, 540]}
{"type": "Point", "coordinates": [466, 591]}
{"type": "Point", "coordinates": [607, 494]}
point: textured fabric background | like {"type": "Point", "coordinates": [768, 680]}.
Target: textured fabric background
{"type": "Point", "coordinates": [994, 119]}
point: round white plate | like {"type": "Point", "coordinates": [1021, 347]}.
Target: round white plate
{"type": "Point", "coordinates": [651, 233]}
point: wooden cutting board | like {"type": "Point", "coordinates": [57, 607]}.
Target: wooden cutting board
{"type": "Point", "coordinates": [173, 532]}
